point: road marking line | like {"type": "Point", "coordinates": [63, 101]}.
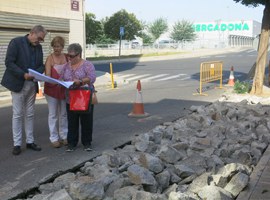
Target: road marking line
{"type": "Point", "coordinates": [153, 77]}
{"type": "Point", "coordinates": [222, 56]}
{"type": "Point", "coordinates": [137, 77]}
{"type": "Point", "coordinates": [125, 75]}
{"type": "Point", "coordinates": [171, 77]}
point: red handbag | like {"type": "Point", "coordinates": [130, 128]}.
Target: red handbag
{"type": "Point", "coordinates": [79, 99]}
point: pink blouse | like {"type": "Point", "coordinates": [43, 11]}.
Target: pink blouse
{"type": "Point", "coordinates": [85, 70]}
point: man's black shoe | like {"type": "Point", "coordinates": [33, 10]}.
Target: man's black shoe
{"type": "Point", "coordinates": [33, 146]}
{"type": "Point", "coordinates": [16, 150]}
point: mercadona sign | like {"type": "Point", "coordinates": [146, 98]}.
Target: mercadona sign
{"type": "Point", "coordinates": [221, 27]}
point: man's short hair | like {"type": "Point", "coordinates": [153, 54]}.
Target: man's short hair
{"type": "Point", "coordinates": [38, 28]}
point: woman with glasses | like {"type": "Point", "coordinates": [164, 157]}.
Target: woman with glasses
{"type": "Point", "coordinates": [82, 73]}
{"type": "Point", "coordinates": [55, 94]}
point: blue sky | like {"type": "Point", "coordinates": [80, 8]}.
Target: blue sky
{"type": "Point", "coordinates": [175, 10]}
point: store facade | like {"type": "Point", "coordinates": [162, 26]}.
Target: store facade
{"type": "Point", "coordinates": [220, 33]}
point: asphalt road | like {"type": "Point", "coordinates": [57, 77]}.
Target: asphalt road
{"type": "Point", "coordinates": [165, 100]}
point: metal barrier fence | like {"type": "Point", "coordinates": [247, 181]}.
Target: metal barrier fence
{"type": "Point", "coordinates": [209, 72]}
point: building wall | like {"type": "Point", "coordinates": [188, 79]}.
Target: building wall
{"type": "Point", "coordinates": [256, 28]}
{"type": "Point", "coordinates": [51, 8]}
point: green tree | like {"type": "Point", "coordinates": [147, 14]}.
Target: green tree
{"type": "Point", "coordinates": [124, 19]}
{"type": "Point", "coordinates": [147, 39]}
{"type": "Point", "coordinates": [144, 34]}
{"type": "Point", "coordinates": [103, 38]}
{"type": "Point", "coordinates": [93, 28]}
{"type": "Point", "coordinates": [158, 27]}
{"type": "Point", "coordinates": [257, 86]}
{"type": "Point", "coordinates": [183, 30]}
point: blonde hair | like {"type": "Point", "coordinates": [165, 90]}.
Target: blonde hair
{"type": "Point", "coordinates": [58, 40]}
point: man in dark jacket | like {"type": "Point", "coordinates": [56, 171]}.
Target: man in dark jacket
{"type": "Point", "coordinates": [24, 53]}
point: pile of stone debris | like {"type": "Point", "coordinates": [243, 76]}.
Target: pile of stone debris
{"type": "Point", "coordinates": [208, 154]}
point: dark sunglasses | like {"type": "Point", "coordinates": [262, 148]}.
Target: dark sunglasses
{"type": "Point", "coordinates": [72, 56]}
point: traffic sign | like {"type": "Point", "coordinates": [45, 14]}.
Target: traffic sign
{"type": "Point", "coordinates": [122, 30]}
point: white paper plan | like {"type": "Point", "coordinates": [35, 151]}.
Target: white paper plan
{"type": "Point", "coordinates": [41, 77]}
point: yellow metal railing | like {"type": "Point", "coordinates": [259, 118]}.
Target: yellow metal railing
{"type": "Point", "coordinates": [210, 71]}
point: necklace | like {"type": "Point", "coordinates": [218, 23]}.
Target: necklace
{"type": "Point", "coordinates": [75, 66]}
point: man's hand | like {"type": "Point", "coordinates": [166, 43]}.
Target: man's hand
{"type": "Point", "coordinates": [28, 77]}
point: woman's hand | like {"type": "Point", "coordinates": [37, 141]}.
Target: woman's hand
{"type": "Point", "coordinates": [81, 82]}
{"type": "Point", "coordinates": [78, 82]}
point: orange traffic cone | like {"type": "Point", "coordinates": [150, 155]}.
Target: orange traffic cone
{"type": "Point", "coordinates": [231, 78]}
{"type": "Point", "coordinates": [138, 108]}
{"type": "Point", "coordinates": [40, 93]}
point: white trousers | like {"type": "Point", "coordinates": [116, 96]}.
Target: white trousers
{"type": "Point", "coordinates": [57, 119]}
{"type": "Point", "coordinates": [23, 103]}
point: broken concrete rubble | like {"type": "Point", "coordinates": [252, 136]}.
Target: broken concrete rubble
{"type": "Point", "coordinates": [208, 154]}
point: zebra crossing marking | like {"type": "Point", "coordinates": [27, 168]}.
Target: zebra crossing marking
{"type": "Point", "coordinates": [153, 77]}
{"type": "Point", "coordinates": [137, 77]}
{"type": "Point", "coordinates": [171, 77]}
{"type": "Point", "coordinates": [125, 75]}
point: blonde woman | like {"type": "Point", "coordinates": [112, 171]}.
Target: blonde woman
{"type": "Point", "coordinates": [55, 94]}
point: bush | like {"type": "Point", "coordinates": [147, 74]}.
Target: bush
{"type": "Point", "coordinates": [242, 87]}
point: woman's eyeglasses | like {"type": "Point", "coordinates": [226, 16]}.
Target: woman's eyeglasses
{"type": "Point", "coordinates": [72, 56]}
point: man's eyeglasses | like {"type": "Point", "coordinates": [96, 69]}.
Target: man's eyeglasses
{"type": "Point", "coordinates": [40, 39]}
{"type": "Point", "coordinates": [72, 56]}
